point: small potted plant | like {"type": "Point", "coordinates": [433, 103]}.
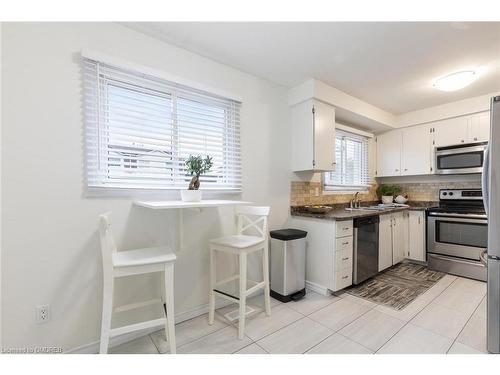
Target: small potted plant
{"type": "Point", "coordinates": [195, 166]}
{"type": "Point", "coordinates": [387, 192]}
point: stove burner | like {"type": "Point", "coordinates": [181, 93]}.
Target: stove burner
{"type": "Point", "coordinates": [459, 210]}
{"type": "Point", "coordinates": [457, 201]}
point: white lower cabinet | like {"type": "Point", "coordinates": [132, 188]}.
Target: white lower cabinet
{"type": "Point", "coordinates": [399, 239]}
{"type": "Point", "coordinates": [328, 252]}
{"type": "Point", "coordinates": [393, 244]}
{"type": "Point", "coordinates": [416, 236]}
{"type": "Point", "coordinates": [384, 242]}
{"type": "Point", "coordinates": [343, 259]}
{"type": "Point", "coordinates": [329, 249]}
{"type": "Point", "coordinates": [342, 277]}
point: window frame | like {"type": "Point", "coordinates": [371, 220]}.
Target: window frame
{"type": "Point", "coordinates": [231, 129]}
{"type": "Point", "coordinates": [330, 188]}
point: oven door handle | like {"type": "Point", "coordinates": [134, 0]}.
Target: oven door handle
{"type": "Point", "coordinates": [463, 218]}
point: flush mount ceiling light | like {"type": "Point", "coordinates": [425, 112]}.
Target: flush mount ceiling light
{"type": "Point", "coordinates": [455, 81]}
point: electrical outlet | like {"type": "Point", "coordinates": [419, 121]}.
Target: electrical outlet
{"type": "Point", "coordinates": [42, 314]}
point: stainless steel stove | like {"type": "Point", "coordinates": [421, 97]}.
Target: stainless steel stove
{"type": "Point", "coordinates": [457, 233]}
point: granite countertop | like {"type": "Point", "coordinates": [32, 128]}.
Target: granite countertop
{"type": "Point", "coordinates": [339, 213]}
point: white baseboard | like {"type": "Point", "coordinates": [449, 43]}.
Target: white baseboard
{"type": "Point", "coordinates": [93, 347]}
{"type": "Point", "coordinates": [323, 290]}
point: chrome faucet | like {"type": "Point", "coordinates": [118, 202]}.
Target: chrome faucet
{"type": "Point", "coordinates": [354, 203]}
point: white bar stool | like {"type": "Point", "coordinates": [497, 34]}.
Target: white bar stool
{"type": "Point", "coordinates": [249, 218]}
{"type": "Point", "coordinates": [134, 262]}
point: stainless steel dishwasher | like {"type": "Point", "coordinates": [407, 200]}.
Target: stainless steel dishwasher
{"type": "Point", "coordinates": [365, 252]}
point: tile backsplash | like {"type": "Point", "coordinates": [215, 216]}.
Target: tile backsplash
{"type": "Point", "coordinates": [429, 191]}
{"type": "Point", "coordinates": [304, 192]}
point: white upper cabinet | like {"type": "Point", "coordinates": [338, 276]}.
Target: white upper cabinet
{"type": "Point", "coordinates": [404, 152]}
{"type": "Point", "coordinates": [450, 132]}
{"type": "Point", "coordinates": [416, 151]}
{"type": "Point", "coordinates": [410, 151]}
{"type": "Point", "coordinates": [479, 127]}
{"type": "Point", "coordinates": [464, 129]}
{"type": "Point", "coordinates": [389, 154]}
{"type": "Point", "coordinates": [313, 136]}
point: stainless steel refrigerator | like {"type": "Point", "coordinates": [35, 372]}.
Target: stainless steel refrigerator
{"type": "Point", "coordinates": [491, 196]}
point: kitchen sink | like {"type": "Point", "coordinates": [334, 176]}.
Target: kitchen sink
{"type": "Point", "coordinates": [370, 208]}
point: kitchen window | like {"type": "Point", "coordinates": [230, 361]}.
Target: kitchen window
{"type": "Point", "coordinates": [140, 129]}
{"type": "Point", "coordinates": [351, 169]}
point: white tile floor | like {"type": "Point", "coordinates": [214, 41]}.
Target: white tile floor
{"type": "Point", "coordinates": [448, 318]}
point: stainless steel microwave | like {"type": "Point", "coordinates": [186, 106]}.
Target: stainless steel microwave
{"type": "Point", "coordinates": [460, 159]}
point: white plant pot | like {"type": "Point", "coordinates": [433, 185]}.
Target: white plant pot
{"type": "Point", "coordinates": [191, 195]}
{"type": "Point", "coordinates": [387, 199]}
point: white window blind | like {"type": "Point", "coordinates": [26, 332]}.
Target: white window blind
{"type": "Point", "coordinates": [140, 129]}
{"type": "Point", "coordinates": [351, 156]}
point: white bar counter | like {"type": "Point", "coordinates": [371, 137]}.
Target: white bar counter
{"type": "Point", "coordinates": [181, 205]}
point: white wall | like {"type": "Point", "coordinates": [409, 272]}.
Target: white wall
{"type": "Point", "coordinates": [1, 25]}
{"type": "Point", "coordinates": [50, 245]}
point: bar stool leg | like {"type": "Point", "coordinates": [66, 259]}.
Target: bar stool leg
{"type": "Point", "coordinates": [211, 294]}
{"type": "Point", "coordinates": [107, 311]}
{"type": "Point", "coordinates": [169, 299]}
{"type": "Point", "coordinates": [265, 272]}
{"type": "Point", "coordinates": [243, 294]}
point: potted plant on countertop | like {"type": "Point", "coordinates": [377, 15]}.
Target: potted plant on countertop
{"type": "Point", "coordinates": [387, 192]}
{"type": "Point", "coordinates": [195, 166]}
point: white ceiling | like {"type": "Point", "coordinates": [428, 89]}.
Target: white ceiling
{"type": "Point", "coordinates": [389, 65]}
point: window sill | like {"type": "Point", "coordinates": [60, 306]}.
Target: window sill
{"type": "Point", "coordinates": [344, 192]}
{"type": "Point", "coordinates": [164, 194]}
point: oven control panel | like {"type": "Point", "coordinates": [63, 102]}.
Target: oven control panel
{"type": "Point", "coordinates": [460, 194]}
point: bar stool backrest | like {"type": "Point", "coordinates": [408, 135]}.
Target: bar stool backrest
{"type": "Point", "coordinates": [253, 219]}
{"type": "Point", "coordinates": [108, 246]}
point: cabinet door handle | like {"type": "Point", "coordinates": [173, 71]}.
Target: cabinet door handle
{"type": "Point", "coordinates": [314, 136]}
{"type": "Point", "coordinates": [345, 243]}
{"type": "Point", "coordinates": [345, 228]}
{"type": "Point", "coordinates": [462, 141]}
{"type": "Point", "coordinates": [345, 258]}
{"type": "Point", "coordinates": [345, 277]}
{"type": "Point", "coordinates": [475, 138]}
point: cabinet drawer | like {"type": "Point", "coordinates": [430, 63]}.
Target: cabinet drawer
{"type": "Point", "coordinates": [343, 278]}
{"type": "Point", "coordinates": [343, 244]}
{"type": "Point", "coordinates": [344, 228]}
{"type": "Point", "coordinates": [343, 259]}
